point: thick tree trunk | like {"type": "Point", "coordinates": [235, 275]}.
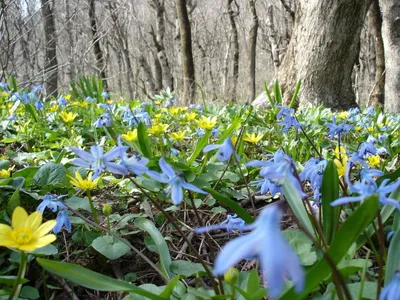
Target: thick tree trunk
{"type": "Point", "coordinates": [235, 46]}
{"type": "Point", "coordinates": [391, 40]}
{"type": "Point", "coordinates": [147, 74]}
{"type": "Point", "coordinates": [50, 39]}
{"type": "Point", "coordinates": [189, 87]}
{"type": "Point", "coordinates": [158, 74]}
{"type": "Point", "coordinates": [322, 51]}
{"type": "Point", "coordinates": [251, 50]}
{"type": "Point", "coordinates": [98, 53]}
{"type": "Point", "coordinates": [377, 94]}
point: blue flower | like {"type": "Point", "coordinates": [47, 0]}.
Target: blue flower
{"type": "Point", "coordinates": [37, 88]}
{"type": "Point", "coordinates": [225, 150]}
{"type": "Point", "coordinates": [232, 222]}
{"type": "Point", "coordinates": [289, 119]}
{"type": "Point", "coordinates": [175, 183]}
{"type": "Point", "coordinates": [313, 172]}
{"type": "Point", "coordinates": [392, 290]}
{"type": "Point", "coordinates": [4, 85]}
{"type": "Point", "coordinates": [354, 111]}
{"type": "Point", "coordinates": [200, 132]}
{"type": "Point", "coordinates": [382, 151]}
{"type": "Point", "coordinates": [51, 202]}
{"type": "Point", "coordinates": [62, 220]}
{"type": "Point", "coordinates": [39, 105]}
{"type": "Point", "coordinates": [267, 244]}
{"type": "Point", "coordinates": [99, 162]}
{"type": "Point", "coordinates": [174, 152]}
{"type": "Point", "coordinates": [89, 99]}
{"type": "Point", "coordinates": [104, 120]}
{"type": "Point", "coordinates": [105, 95]}
{"type": "Point", "coordinates": [61, 101]}
{"type": "Point", "coordinates": [338, 129]}
{"type": "Point", "coordinates": [136, 163]}
{"type": "Point", "coordinates": [215, 132]}
{"type": "Point", "coordinates": [366, 148]}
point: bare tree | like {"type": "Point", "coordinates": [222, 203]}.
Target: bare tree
{"type": "Point", "coordinates": [232, 14]}
{"type": "Point", "coordinates": [251, 49]}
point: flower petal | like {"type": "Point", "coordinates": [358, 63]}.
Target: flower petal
{"type": "Point", "coordinates": [5, 230]}
{"type": "Point", "coordinates": [81, 163]}
{"type": "Point", "coordinates": [193, 188]}
{"type": "Point", "coordinates": [346, 200]}
{"type": "Point", "coordinates": [211, 147]}
{"type": "Point", "coordinates": [176, 193]}
{"type": "Point", "coordinates": [157, 176]}
{"type": "Point", "coordinates": [44, 228]}
{"type": "Point", "coordinates": [19, 217]}
{"type": "Point", "coordinates": [166, 168]}
{"type": "Point", "coordinates": [83, 154]}
{"type": "Point", "coordinates": [115, 168]}
{"type": "Point", "coordinates": [33, 221]}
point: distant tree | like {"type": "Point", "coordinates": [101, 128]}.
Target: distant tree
{"type": "Point", "coordinates": [251, 50]}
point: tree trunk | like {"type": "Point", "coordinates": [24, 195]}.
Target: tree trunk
{"type": "Point", "coordinates": [377, 94]}
{"type": "Point", "coordinates": [323, 50]}
{"type": "Point", "coordinates": [50, 39]}
{"type": "Point", "coordinates": [158, 74]}
{"type": "Point", "coordinates": [251, 50]}
{"type": "Point", "coordinates": [148, 75]}
{"type": "Point", "coordinates": [189, 87]}
{"type": "Point", "coordinates": [235, 46]}
{"type": "Point", "coordinates": [98, 53]}
{"type": "Point", "coordinates": [391, 40]}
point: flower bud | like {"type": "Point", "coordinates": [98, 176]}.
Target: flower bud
{"type": "Point", "coordinates": [232, 276]}
{"type": "Point", "coordinates": [107, 210]}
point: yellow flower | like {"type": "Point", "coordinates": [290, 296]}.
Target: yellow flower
{"type": "Point", "coordinates": [370, 129]}
{"type": "Point", "coordinates": [6, 173]}
{"type": "Point", "coordinates": [374, 160]}
{"type": "Point", "coordinates": [53, 108]}
{"type": "Point", "coordinates": [158, 129]}
{"type": "Point", "coordinates": [27, 233]}
{"type": "Point", "coordinates": [341, 161]}
{"type": "Point", "coordinates": [343, 114]}
{"type": "Point", "coordinates": [157, 116]}
{"type": "Point", "coordinates": [253, 138]}
{"type": "Point", "coordinates": [380, 125]}
{"type": "Point", "coordinates": [234, 140]}
{"type": "Point", "coordinates": [130, 136]}
{"type": "Point", "coordinates": [178, 136]}
{"type": "Point", "coordinates": [84, 184]}
{"type": "Point", "coordinates": [191, 116]}
{"type": "Point", "coordinates": [358, 128]}
{"type": "Point", "coordinates": [183, 109]}
{"type": "Point", "coordinates": [174, 110]}
{"type": "Point", "coordinates": [67, 97]}
{"type": "Point", "coordinates": [4, 94]}
{"type": "Point", "coordinates": [68, 117]}
{"type": "Point", "coordinates": [158, 102]}
{"type": "Point", "coordinates": [207, 123]}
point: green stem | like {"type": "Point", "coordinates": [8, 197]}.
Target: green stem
{"type": "Point", "coordinates": [94, 213]}
{"type": "Point", "coordinates": [21, 273]}
{"type": "Point", "coordinates": [108, 223]}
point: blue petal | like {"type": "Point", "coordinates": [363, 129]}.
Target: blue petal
{"type": "Point", "coordinates": [166, 168]}
{"type": "Point", "coordinates": [116, 168]}
{"type": "Point", "coordinates": [176, 193]}
{"type": "Point", "coordinates": [81, 163]}
{"type": "Point", "coordinates": [346, 200]}
{"type": "Point", "coordinates": [209, 148]}
{"type": "Point", "coordinates": [193, 188]}
{"type": "Point", "coordinates": [83, 154]}
{"type": "Point", "coordinates": [157, 176]}
{"type": "Point", "coordinates": [97, 152]}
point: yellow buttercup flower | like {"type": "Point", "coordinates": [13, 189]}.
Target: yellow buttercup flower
{"type": "Point", "coordinates": [178, 136]}
{"type": "Point", "coordinates": [370, 129]}
{"type": "Point", "coordinates": [191, 116]}
{"type": "Point", "coordinates": [27, 233]}
{"type": "Point", "coordinates": [174, 110]}
{"type": "Point", "coordinates": [68, 117]}
{"type": "Point", "coordinates": [341, 160]}
{"type": "Point", "coordinates": [207, 123]}
{"type": "Point", "coordinates": [4, 94]}
{"type": "Point", "coordinates": [157, 102]}
{"type": "Point", "coordinates": [157, 116]}
{"type": "Point", "coordinates": [130, 136]}
{"type": "Point", "coordinates": [253, 138]}
{"type": "Point", "coordinates": [158, 129]}
{"type": "Point", "coordinates": [380, 125]}
{"type": "Point", "coordinates": [374, 160]}
{"type": "Point", "coordinates": [53, 108]}
{"type": "Point", "coordinates": [67, 97]}
{"type": "Point", "coordinates": [6, 173]}
{"type": "Point", "coordinates": [87, 184]}
{"type": "Point", "coordinates": [358, 128]}
{"type": "Point", "coordinates": [343, 114]}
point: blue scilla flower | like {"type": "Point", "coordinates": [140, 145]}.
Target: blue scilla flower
{"type": "Point", "coordinates": [267, 244]}
{"type": "Point", "coordinates": [232, 222]}
{"type": "Point", "coordinates": [215, 132]}
{"type": "Point", "coordinates": [51, 202]}
{"type": "Point", "coordinates": [382, 151]}
{"type": "Point", "coordinates": [313, 172]}
{"type": "Point", "coordinates": [382, 137]}
{"type": "Point", "coordinates": [62, 220]}
{"type": "Point", "coordinates": [175, 183]}
{"type": "Point", "coordinates": [105, 95]}
{"type": "Point", "coordinates": [61, 101]}
{"type": "Point", "coordinates": [366, 148]}
{"type": "Point", "coordinates": [225, 150]}
{"type": "Point", "coordinates": [392, 290]}
{"type": "Point", "coordinates": [4, 86]}
{"type": "Point", "coordinates": [354, 111]}
{"type": "Point", "coordinates": [370, 111]}
{"type": "Point", "coordinates": [103, 120]}
{"type": "Point", "coordinates": [200, 132]}
{"type": "Point", "coordinates": [38, 89]}
{"type": "Point", "coordinates": [100, 162]}
{"type": "Point", "coordinates": [135, 164]}
{"type": "Point", "coordinates": [174, 152]}
{"type": "Point", "coordinates": [338, 129]}
{"type": "Point", "coordinates": [90, 99]}
{"type": "Point", "coordinates": [39, 105]}
{"type": "Point", "coordinates": [289, 119]}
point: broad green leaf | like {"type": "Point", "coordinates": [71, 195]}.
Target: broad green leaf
{"type": "Point", "coordinates": [368, 292]}
{"type": "Point", "coordinates": [50, 174]}
{"type": "Point", "coordinates": [277, 92]}
{"type": "Point", "coordinates": [295, 93]}
{"type": "Point", "coordinates": [186, 268]}
{"type": "Point", "coordinates": [345, 236]}
{"type": "Point", "coordinates": [144, 141]}
{"type": "Point", "coordinates": [236, 208]}
{"type": "Point", "coordinates": [393, 259]}
{"type": "Point", "coordinates": [46, 250]}
{"type": "Point", "coordinates": [302, 246]}
{"type": "Point", "coordinates": [199, 147]}
{"type": "Point", "coordinates": [352, 266]}
{"type": "Point", "coordinates": [9, 279]}
{"type": "Point", "coordinates": [110, 247]}
{"type": "Point", "coordinates": [92, 280]}
{"type": "Point", "coordinates": [77, 203]}
{"type": "Point", "coordinates": [329, 193]}
{"type": "Point", "coordinates": [13, 202]}
{"type": "Point", "coordinates": [297, 205]}
{"type": "Point", "coordinates": [163, 251]}
{"type": "Point", "coordinates": [28, 292]}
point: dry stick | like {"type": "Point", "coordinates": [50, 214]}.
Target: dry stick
{"type": "Point", "coordinates": [137, 251]}
{"type": "Point", "coordinates": [172, 221]}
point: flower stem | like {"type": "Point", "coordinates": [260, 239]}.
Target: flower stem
{"type": "Point", "coordinates": [21, 273]}
{"type": "Point", "coordinates": [94, 213]}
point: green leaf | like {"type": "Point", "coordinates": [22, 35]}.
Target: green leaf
{"type": "Point", "coordinates": [92, 280]}
{"type": "Point", "coordinates": [296, 92]}
{"type": "Point", "coordinates": [329, 193]}
{"type": "Point", "coordinates": [345, 237]}
{"type": "Point", "coordinates": [46, 250]}
{"type": "Point", "coordinates": [253, 283]}
{"type": "Point", "coordinates": [297, 205]}
{"type": "Point", "coordinates": [302, 246]}
{"type": "Point", "coordinates": [199, 147]}
{"type": "Point", "coordinates": [186, 268]}
{"type": "Point", "coordinates": [163, 251]}
{"type": "Point", "coordinates": [368, 292]}
{"type": "Point", "coordinates": [50, 174]}
{"type": "Point", "coordinates": [393, 259]}
{"type": "Point", "coordinates": [352, 266]}
{"type": "Point", "coordinates": [110, 247]}
{"type": "Point", "coordinates": [170, 287]}
{"type": "Point", "coordinates": [9, 280]}
{"type": "Point", "coordinates": [77, 203]}
{"type": "Point", "coordinates": [29, 292]}
{"type": "Point", "coordinates": [236, 208]}
{"type": "Point", "coordinates": [13, 202]}
{"type": "Point", "coordinates": [277, 92]}
{"type": "Point", "coordinates": [144, 141]}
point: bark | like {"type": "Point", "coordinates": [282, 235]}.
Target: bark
{"type": "Point", "coordinates": [147, 74]}
{"type": "Point", "coordinates": [98, 53]}
{"type": "Point", "coordinates": [377, 94]}
{"type": "Point", "coordinates": [391, 40]}
{"type": "Point", "coordinates": [50, 40]}
{"type": "Point", "coordinates": [68, 27]}
{"type": "Point", "coordinates": [251, 50]}
{"type": "Point", "coordinates": [158, 74]}
{"type": "Point", "coordinates": [232, 14]}
{"type": "Point", "coordinates": [273, 38]}
{"type": "Point", "coordinates": [323, 50]}
{"type": "Point", "coordinates": [189, 87]}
